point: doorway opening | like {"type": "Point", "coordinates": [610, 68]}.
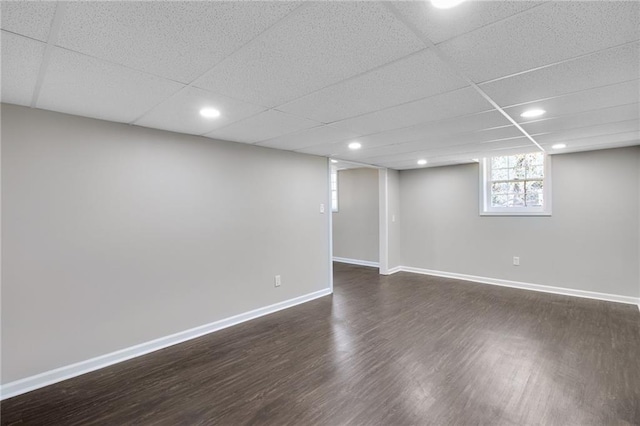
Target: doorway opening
{"type": "Point", "coordinates": [355, 213]}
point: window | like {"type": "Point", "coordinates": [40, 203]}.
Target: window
{"type": "Point", "coordinates": [514, 185]}
{"type": "Point", "coordinates": [334, 189]}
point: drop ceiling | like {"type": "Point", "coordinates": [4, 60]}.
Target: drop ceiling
{"type": "Point", "coordinates": [404, 79]}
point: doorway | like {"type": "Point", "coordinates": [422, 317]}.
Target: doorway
{"type": "Point", "coordinates": [355, 211]}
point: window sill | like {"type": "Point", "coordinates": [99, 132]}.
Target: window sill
{"type": "Point", "coordinates": [515, 214]}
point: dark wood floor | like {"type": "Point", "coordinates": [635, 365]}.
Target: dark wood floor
{"type": "Point", "coordinates": [398, 350]}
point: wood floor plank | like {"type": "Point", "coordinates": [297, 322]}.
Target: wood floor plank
{"type": "Point", "coordinates": [399, 350]}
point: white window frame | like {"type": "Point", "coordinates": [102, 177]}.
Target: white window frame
{"type": "Point", "coordinates": [485, 193]}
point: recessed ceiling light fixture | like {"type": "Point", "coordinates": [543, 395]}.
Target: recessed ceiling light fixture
{"type": "Point", "coordinates": [422, 162]}
{"type": "Point", "coordinates": [531, 113]}
{"type": "Point", "coordinates": [445, 4]}
{"type": "Point", "coordinates": [209, 112]}
{"type": "Point", "coordinates": [355, 145]}
{"type": "Point", "coordinates": [559, 146]}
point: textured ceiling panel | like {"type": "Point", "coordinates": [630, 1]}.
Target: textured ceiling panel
{"type": "Point", "coordinates": [449, 127]}
{"type": "Point", "coordinates": [280, 71]}
{"type": "Point", "coordinates": [585, 119]}
{"type": "Point", "coordinates": [178, 40]}
{"type": "Point", "coordinates": [29, 18]}
{"type": "Point", "coordinates": [452, 104]}
{"type": "Point", "coordinates": [582, 101]}
{"type": "Point", "coordinates": [590, 131]}
{"type": "Point", "coordinates": [389, 142]}
{"type": "Point", "coordinates": [81, 85]}
{"type": "Point", "coordinates": [544, 35]}
{"type": "Point", "coordinates": [600, 69]}
{"type": "Point", "coordinates": [442, 24]}
{"type": "Point", "coordinates": [613, 140]}
{"type": "Point", "coordinates": [466, 152]}
{"type": "Point", "coordinates": [267, 125]}
{"type": "Point", "coordinates": [417, 76]}
{"type": "Point", "coordinates": [311, 137]}
{"type": "Point", "coordinates": [320, 45]}
{"type": "Point", "coordinates": [420, 138]}
{"type": "Point", "coordinates": [181, 113]}
{"type": "Point", "coordinates": [21, 59]}
{"type": "Point", "coordinates": [428, 142]}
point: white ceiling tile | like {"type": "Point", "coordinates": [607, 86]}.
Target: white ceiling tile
{"type": "Point", "coordinates": [327, 150]}
{"type": "Point", "coordinates": [264, 126]}
{"type": "Point", "coordinates": [82, 85]}
{"type": "Point", "coordinates": [419, 137]}
{"type": "Point", "coordinates": [461, 153]}
{"type": "Point", "coordinates": [414, 77]}
{"type": "Point", "coordinates": [586, 100]}
{"type": "Point", "coordinates": [321, 135]}
{"type": "Point", "coordinates": [590, 131]}
{"type": "Point", "coordinates": [29, 18]}
{"type": "Point", "coordinates": [21, 59]}
{"type": "Point", "coordinates": [600, 69]}
{"type": "Point", "coordinates": [428, 142]}
{"type": "Point", "coordinates": [178, 40]}
{"type": "Point", "coordinates": [438, 162]}
{"type": "Point", "coordinates": [544, 35]}
{"type": "Point", "coordinates": [446, 105]}
{"type": "Point", "coordinates": [615, 140]}
{"type": "Point", "coordinates": [438, 129]}
{"type": "Point", "coordinates": [590, 118]}
{"type": "Point", "coordinates": [319, 45]}
{"type": "Point", "coordinates": [442, 24]}
{"type": "Point", "coordinates": [181, 112]}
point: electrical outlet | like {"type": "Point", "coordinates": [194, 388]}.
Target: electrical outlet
{"type": "Point", "coordinates": [516, 261]}
{"type": "Point", "coordinates": [277, 281]}
{"type": "Point", "coordinates": [321, 208]}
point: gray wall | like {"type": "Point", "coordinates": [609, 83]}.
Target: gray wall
{"type": "Point", "coordinates": [590, 243]}
{"type": "Point", "coordinates": [114, 235]}
{"type": "Point", "coordinates": [355, 225]}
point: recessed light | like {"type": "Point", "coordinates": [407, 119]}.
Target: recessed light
{"type": "Point", "coordinates": [532, 113]}
{"type": "Point", "coordinates": [209, 113]}
{"type": "Point", "coordinates": [559, 146]}
{"type": "Point", "coordinates": [422, 162]}
{"type": "Point", "coordinates": [355, 145]}
{"type": "Point", "coordinates": [334, 161]}
{"type": "Point", "coordinates": [446, 4]}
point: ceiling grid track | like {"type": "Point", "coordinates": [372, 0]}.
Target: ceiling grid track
{"type": "Point", "coordinates": [447, 60]}
{"type": "Point", "coordinates": [51, 41]}
{"type": "Point", "coordinates": [191, 84]}
{"type": "Point", "coordinates": [564, 61]}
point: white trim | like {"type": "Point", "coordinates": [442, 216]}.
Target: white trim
{"type": "Point", "coordinates": [383, 222]}
{"type": "Point", "coordinates": [394, 270]}
{"type": "Point", "coordinates": [526, 286]}
{"type": "Point", "coordinates": [356, 261]}
{"type": "Point", "coordinates": [330, 225]}
{"type": "Point", "coordinates": [485, 193]}
{"type": "Point", "coordinates": [69, 371]}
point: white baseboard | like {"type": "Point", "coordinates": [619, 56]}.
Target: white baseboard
{"type": "Point", "coordinates": [394, 270]}
{"type": "Point", "coordinates": [527, 286]}
{"type": "Point", "coordinates": [356, 262]}
{"type": "Point", "coordinates": [69, 371]}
